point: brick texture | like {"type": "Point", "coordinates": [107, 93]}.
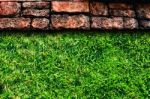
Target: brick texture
{"type": "Point", "coordinates": [73, 14]}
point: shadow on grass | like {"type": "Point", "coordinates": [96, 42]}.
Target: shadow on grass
{"type": "Point", "coordinates": [72, 32]}
{"type": "Point", "coordinates": [1, 88]}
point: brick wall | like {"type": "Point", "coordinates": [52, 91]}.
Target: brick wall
{"type": "Point", "coordinates": [73, 14]}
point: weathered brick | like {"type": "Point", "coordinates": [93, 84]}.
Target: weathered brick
{"type": "Point", "coordinates": [143, 10]}
{"type": "Point", "coordinates": [38, 4]}
{"type": "Point", "coordinates": [145, 24]}
{"type": "Point", "coordinates": [107, 23]}
{"type": "Point", "coordinates": [130, 23]}
{"type": "Point", "coordinates": [120, 6]}
{"type": "Point", "coordinates": [14, 23]}
{"type": "Point", "coordinates": [63, 6]}
{"type": "Point", "coordinates": [9, 8]}
{"type": "Point", "coordinates": [70, 22]}
{"type": "Point", "coordinates": [121, 10]}
{"type": "Point", "coordinates": [98, 8]}
{"type": "Point", "coordinates": [35, 12]}
{"type": "Point", "coordinates": [122, 13]}
{"type": "Point", "coordinates": [40, 23]}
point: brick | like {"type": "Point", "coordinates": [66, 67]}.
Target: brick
{"type": "Point", "coordinates": [70, 22]}
{"type": "Point", "coordinates": [145, 24]}
{"type": "Point", "coordinates": [120, 6]}
{"type": "Point", "coordinates": [98, 8]}
{"type": "Point", "coordinates": [14, 23]}
{"type": "Point", "coordinates": [9, 8]}
{"type": "Point", "coordinates": [40, 23]}
{"type": "Point", "coordinates": [130, 23]}
{"type": "Point", "coordinates": [38, 4]}
{"type": "Point", "coordinates": [62, 6]}
{"type": "Point", "coordinates": [121, 10]}
{"type": "Point", "coordinates": [36, 13]}
{"type": "Point", "coordinates": [107, 23]}
{"type": "Point", "coordinates": [122, 13]}
{"type": "Point", "coordinates": [143, 10]}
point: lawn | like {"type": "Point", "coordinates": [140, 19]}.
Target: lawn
{"type": "Point", "coordinates": [75, 65]}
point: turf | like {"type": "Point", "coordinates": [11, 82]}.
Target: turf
{"type": "Point", "coordinates": [75, 65]}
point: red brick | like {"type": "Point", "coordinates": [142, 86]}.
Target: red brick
{"type": "Point", "coordinates": [124, 13]}
{"type": "Point", "coordinates": [9, 8]}
{"type": "Point", "coordinates": [35, 12]}
{"type": "Point", "coordinates": [63, 6]}
{"type": "Point", "coordinates": [40, 23]}
{"type": "Point", "coordinates": [98, 8]}
{"type": "Point", "coordinates": [14, 23]}
{"type": "Point", "coordinates": [38, 4]}
{"type": "Point", "coordinates": [145, 24]}
{"type": "Point", "coordinates": [143, 10]}
{"type": "Point", "coordinates": [70, 22]}
{"type": "Point", "coordinates": [107, 23]}
{"type": "Point", "coordinates": [130, 23]}
{"type": "Point", "coordinates": [121, 10]}
{"type": "Point", "coordinates": [121, 6]}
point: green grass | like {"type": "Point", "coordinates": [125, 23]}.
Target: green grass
{"type": "Point", "coordinates": [75, 65]}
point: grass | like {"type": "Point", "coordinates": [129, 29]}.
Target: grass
{"type": "Point", "coordinates": [75, 65]}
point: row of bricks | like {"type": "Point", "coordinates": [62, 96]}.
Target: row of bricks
{"type": "Point", "coordinates": [43, 9]}
{"type": "Point", "coordinates": [73, 22]}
